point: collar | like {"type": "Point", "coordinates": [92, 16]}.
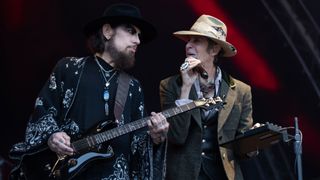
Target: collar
{"type": "Point", "coordinates": [217, 82]}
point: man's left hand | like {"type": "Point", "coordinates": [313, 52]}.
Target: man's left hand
{"type": "Point", "coordinates": [158, 127]}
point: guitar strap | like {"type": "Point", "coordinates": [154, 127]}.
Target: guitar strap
{"type": "Point", "coordinates": [121, 95]}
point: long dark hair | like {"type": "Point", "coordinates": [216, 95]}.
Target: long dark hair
{"type": "Point", "coordinates": [211, 43]}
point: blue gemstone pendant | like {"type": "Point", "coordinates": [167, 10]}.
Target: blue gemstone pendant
{"type": "Point", "coordinates": [106, 108]}
{"type": "Point", "coordinates": [106, 95]}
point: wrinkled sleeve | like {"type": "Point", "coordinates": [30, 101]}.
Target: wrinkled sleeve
{"type": "Point", "coordinates": [147, 160]}
{"type": "Point", "coordinates": [246, 119]}
{"type": "Point", "coordinates": [179, 125]}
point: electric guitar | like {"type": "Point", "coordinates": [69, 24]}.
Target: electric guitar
{"type": "Point", "coordinates": [48, 165]}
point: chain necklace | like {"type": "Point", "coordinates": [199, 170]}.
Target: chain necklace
{"type": "Point", "coordinates": [106, 94]}
{"type": "Point", "coordinates": [107, 72]}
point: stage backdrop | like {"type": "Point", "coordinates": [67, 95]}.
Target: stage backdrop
{"type": "Point", "coordinates": [35, 34]}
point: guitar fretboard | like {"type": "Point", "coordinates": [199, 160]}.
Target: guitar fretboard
{"type": "Point", "coordinates": [102, 137]}
{"type": "Point", "coordinates": [91, 141]}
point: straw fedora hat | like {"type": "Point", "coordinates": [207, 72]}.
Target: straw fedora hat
{"type": "Point", "coordinates": [125, 13]}
{"type": "Point", "coordinates": [211, 28]}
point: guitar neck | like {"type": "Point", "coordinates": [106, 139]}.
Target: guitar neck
{"type": "Point", "coordinates": [102, 137]}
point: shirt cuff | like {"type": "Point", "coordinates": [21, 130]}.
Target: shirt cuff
{"type": "Point", "coordinates": [180, 102]}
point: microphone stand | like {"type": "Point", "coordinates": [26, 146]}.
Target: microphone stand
{"type": "Point", "coordinates": [298, 148]}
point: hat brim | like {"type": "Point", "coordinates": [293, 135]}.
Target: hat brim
{"type": "Point", "coordinates": [229, 49]}
{"type": "Point", "coordinates": [148, 32]}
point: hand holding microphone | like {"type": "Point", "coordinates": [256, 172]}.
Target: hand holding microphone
{"type": "Point", "coordinates": [188, 75]}
{"type": "Point", "coordinates": [194, 64]}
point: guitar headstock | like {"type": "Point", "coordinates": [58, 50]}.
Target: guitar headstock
{"type": "Point", "coordinates": [207, 102]}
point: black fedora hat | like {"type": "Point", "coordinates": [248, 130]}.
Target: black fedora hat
{"type": "Point", "coordinates": [125, 13]}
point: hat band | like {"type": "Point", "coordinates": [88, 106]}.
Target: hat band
{"type": "Point", "coordinates": [209, 31]}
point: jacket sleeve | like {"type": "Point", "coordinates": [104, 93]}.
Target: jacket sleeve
{"type": "Point", "coordinates": [180, 124]}
{"type": "Point", "coordinates": [246, 119]}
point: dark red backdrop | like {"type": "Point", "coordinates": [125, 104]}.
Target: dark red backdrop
{"type": "Point", "coordinates": [35, 34]}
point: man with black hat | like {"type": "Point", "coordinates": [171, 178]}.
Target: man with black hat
{"type": "Point", "coordinates": [194, 137]}
{"type": "Point", "coordinates": [94, 93]}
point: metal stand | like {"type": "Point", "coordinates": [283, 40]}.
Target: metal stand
{"type": "Point", "coordinates": [298, 148]}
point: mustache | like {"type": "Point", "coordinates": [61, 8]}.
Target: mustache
{"type": "Point", "coordinates": [135, 47]}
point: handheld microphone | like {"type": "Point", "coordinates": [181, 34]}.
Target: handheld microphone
{"type": "Point", "coordinates": [199, 69]}
{"type": "Point", "coordinates": [203, 73]}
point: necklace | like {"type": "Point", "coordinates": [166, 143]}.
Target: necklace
{"type": "Point", "coordinates": [106, 94]}
{"type": "Point", "coordinates": [107, 72]}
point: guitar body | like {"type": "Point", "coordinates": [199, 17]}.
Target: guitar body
{"type": "Point", "coordinates": [34, 166]}
{"type": "Point", "coordinates": [74, 165]}
{"type": "Point", "coordinates": [47, 165]}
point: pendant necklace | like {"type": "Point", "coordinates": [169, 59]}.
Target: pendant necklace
{"type": "Point", "coordinates": [105, 75]}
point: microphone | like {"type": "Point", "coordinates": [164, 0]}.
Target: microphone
{"type": "Point", "coordinates": [199, 69]}
{"type": "Point", "coordinates": [203, 73]}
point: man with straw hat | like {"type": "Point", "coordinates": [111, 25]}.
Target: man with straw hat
{"type": "Point", "coordinates": [194, 137]}
{"type": "Point", "coordinates": [82, 112]}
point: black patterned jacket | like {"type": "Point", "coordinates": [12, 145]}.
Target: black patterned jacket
{"type": "Point", "coordinates": [51, 115]}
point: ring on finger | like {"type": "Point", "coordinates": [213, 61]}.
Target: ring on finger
{"type": "Point", "coordinates": [184, 66]}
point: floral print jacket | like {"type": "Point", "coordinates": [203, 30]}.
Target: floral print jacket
{"type": "Point", "coordinates": [51, 115]}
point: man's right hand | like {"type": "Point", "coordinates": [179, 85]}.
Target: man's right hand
{"type": "Point", "coordinates": [188, 75]}
{"type": "Point", "coordinates": [59, 142]}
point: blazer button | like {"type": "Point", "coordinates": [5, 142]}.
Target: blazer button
{"type": "Point", "coordinates": [224, 156]}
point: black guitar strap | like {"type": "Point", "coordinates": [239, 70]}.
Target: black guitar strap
{"type": "Point", "coordinates": [122, 93]}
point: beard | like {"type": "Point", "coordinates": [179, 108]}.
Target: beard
{"type": "Point", "coordinates": [120, 59]}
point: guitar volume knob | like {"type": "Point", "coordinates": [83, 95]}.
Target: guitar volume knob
{"type": "Point", "coordinates": [47, 167]}
{"type": "Point", "coordinates": [72, 162]}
